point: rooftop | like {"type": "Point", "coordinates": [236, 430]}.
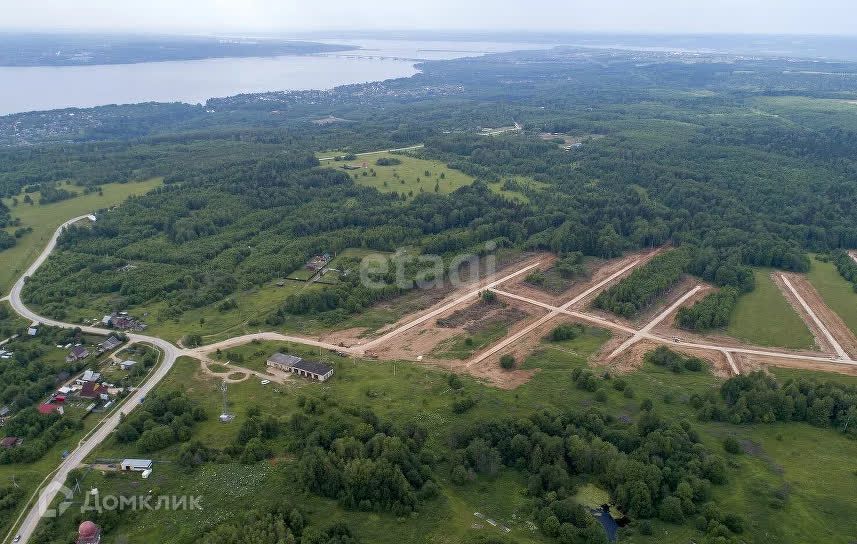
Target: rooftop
{"type": "Point", "coordinates": [313, 367]}
{"type": "Point", "coordinates": [284, 359]}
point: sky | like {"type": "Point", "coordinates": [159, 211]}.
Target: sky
{"type": "Point", "coordinates": [283, 16]}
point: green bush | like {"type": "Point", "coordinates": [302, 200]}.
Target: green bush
{"type": "Point", "coordinates": [507, 362]}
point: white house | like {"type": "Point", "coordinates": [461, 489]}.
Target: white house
{"type": "Point", "coordinates": [138, 465]}
{"type": "Point", "coordinates": [91, 376]}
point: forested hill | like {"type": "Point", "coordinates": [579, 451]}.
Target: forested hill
{"type": "Point", "coordinates": [87, 49]}
{"type": "Point", "coordinates": [538, 87]}
{"type": "Point", "coordinates": [618, 152]}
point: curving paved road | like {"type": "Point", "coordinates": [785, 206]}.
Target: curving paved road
{"type": "Point", "coordinates": [76, 457]}
{"type": "Point", "coordinates": [50, 487]}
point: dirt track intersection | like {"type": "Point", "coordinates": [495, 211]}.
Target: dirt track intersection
{"type": "Point", "coordinates": [417, 337]}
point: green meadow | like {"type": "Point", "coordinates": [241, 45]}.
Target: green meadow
{"type": "Point", "coordinates": [837, 293]}
{"type": "Point", "coordinates": [765, 318]}
{"type": "Point", "coordinates": [779, 467]}
{"type": "Point", "coordinates": [415, 175]}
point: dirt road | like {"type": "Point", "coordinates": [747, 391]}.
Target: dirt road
{"type": "Point", "coordinates": [554, 311]}
{"type": "Point", "coordinates": [442, 309]}
{"type": "Point", "coordinates": [653, 323]}
{"type": "Point", "coordinates": [812, 315]}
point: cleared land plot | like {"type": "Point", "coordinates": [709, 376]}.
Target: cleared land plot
{"type": "Point", "coordinates": [552, 282]}
{"type": "Point", "coordinates": [832, 323]}
{"type": "Point", "coordinates": [765, 318]}
{"type": "Point", "coordinates": [44, 220]}
{"type": "Point", "coordinates": [478, 336]}
{"type": "Point", "coordinates": [214, 324]}
{"type": "Point", "coordinates": [411, 177]}
{"type": "Point", "coordinates": [836, 292]}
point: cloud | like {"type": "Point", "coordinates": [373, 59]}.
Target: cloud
{"type": "Point", "coordinates": [641, 16]}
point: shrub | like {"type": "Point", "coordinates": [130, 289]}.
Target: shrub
{"type": "Point", "coordinates": [388, 161]}
{"type": "Point", "coordinates": [507, 362]}
{"type": "Point", "coordinates": [459, 406]}
{"type": "Point", "coordinates": [731, 445]}
{"type": "Point", "coordinates": [565, 332]}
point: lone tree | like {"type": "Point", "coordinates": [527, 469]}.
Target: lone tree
{"type": "Point", "coordinates": [507, 362]}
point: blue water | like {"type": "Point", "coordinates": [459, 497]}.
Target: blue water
{"type": "Point", "coordinates": [607, 521]}
{"type": "Point", "coordinates": [194, 81]}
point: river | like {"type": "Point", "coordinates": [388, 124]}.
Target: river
{"type": "Point", "coordinates": [52, 87]}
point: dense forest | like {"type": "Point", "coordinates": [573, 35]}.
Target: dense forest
{"type": "Point", "coordinates": [253, 205]}
{"type": "Point", "coordinates": [712, 312]}
{"type": "Point", "coordinates": [761, 398]}
{"type": "Point", "coordinates": [654, 468]}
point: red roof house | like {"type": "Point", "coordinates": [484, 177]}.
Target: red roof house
{"type": "Point", "coordinates": [47, 409]}
{"type": "Point", "coordinates": [92, 390]}
{"type": "Point", "coordinates": [10, 442]}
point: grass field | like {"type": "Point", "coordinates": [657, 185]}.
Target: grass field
{"type": "Point", "coordinates": [413, 176]}
{"type": "Point", "coordinates": [784, 460]}
{"type": "Point", "coordinates": [463, 346]}
{"type": "Point", "coordinates": [45, 219]}
{"type": "Point", "coordinates": [837, 293]}
{"type": "Point", "coordinates": [764, 317]}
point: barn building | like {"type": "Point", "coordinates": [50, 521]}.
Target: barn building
{"type": "Point", "coordinates": [308, 369]}
{"type": "Point", "coordinates": [138, 465]}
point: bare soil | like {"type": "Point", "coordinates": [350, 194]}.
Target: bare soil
{"type": "Point", "coordinates": [750, 363]}
{"type": "Point", "coordinates": [519, 285]}
{"type": "Point", "coordinates": [346, 337]}
{"type": "Point", "coordinates": [504, 269]}
{"type": "Point", "coordinates": [478, 315]}
{"type": "Point", "coordinates": [834, 324]}
{"type": "Point", "coordinates": [469, 314]}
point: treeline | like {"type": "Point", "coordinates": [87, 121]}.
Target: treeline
{"type": "Point", "coordinates": [164, 419]}
{"type": "Point", "coordinates": [362, 461]}
{"type": "Point", "coordinates": [252, 442]}
{"type": "Point", "coordinates": [712, 312]}
{"type": "Point", "coordinates": [49, 194]}
{"type": "Point", "coordinates": [645, 284]}
{"type": "Point", "coordinates": [39, 432]}
{"type": "Point", "coordinates": [652, 468]}
{"type": "Point", "coordinates": [761, 398]}
{"type": "Point", "coordinates": [6, 240]}
{"type": "Point", "coordinates": [283, 523]}
{"type": "Point", "coordinates": [10, 498]}
{"type": "Point", "coordinates": [846, 267]}
{"type": "Point", "coordinates": [341, 300]}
